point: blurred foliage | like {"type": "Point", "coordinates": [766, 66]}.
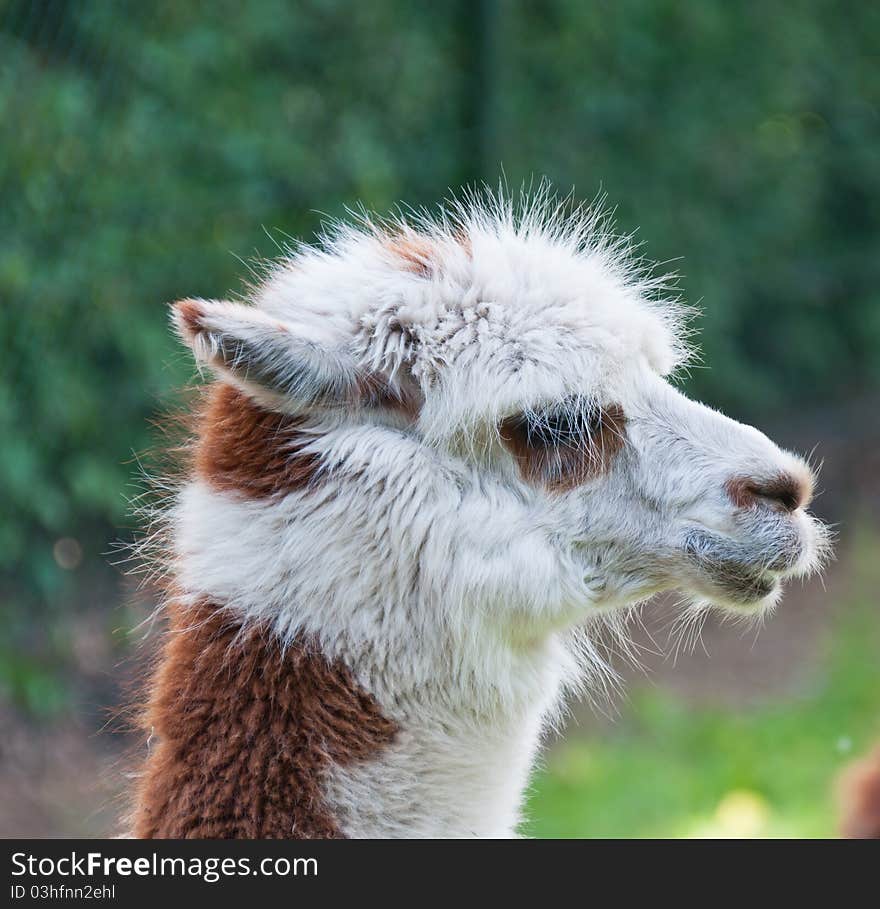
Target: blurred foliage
{"type": "Point", "coordinates": [149, 148]}
{"type": "Point", "coordinates": [675, 770]}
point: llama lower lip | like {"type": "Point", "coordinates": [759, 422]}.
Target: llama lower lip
{"type": "Point", "coordinates": [735, 583]}
{"type": "Point", "coordinates": [756, 587]}
{"type": "Point", "coordinates": [725, 565]}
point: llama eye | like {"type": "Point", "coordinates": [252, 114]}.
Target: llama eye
{"type": "Point", "coordinates": [565, 446]}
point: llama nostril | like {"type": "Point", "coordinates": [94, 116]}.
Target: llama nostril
{"type": "Point", "coordinates": [784, 492]}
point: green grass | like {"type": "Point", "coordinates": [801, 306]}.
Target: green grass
{"type": "Point", "coordinates": [672, 770]}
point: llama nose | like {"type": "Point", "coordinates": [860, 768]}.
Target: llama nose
{"type": "Point", "coordinates": [782, 492]}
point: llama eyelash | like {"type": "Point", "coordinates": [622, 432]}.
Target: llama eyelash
{"type": "Point", "coordinates": [574, 425]}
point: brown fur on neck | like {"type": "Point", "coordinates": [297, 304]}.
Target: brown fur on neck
{"type": "Point", "coordinates": [243, 448]}
{"type": "Point", "coordinates": [242, 733]}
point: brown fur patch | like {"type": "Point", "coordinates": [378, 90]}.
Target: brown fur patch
{"type": "Point", "coordinates": [572, 458]}
{"type": "Point", "coordinates": [243, 734]}
{"type": "Point", "coordinates": [784, 491]}
{"type": "Point", "coordinates": [241, 447]}
{"type": "Point", "coordinates": [418, 254]}
{"type": "Point", "coordinates": [415, 253]}
{"type": "Point", "coordinates": [190, 314]}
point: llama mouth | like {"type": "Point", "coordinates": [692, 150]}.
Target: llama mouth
{"type": "Point", "coordinates": [742, 587]}
{"type": "Point", "coordinates": [738, 574]}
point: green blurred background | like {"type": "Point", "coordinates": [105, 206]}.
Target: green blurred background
{"type": "Point", "coordinates": [150, 150]}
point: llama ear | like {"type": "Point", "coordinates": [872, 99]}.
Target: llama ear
{"type": "Point", "coordinates": [263, 355]}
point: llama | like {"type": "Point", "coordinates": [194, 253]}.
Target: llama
{"type": "Point", "coordinates": [437, 455]}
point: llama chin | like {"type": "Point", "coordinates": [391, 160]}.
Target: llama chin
{"type": "Point", "coordinates": [433, 453]}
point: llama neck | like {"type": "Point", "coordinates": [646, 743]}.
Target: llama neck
{"type": "Point", "coordinates": [245, 734]}
{"type": "Point", "coordinates": [251, 740]}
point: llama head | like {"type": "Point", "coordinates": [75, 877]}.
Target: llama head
{"type": "Point", "coordinates": [486, 401]}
